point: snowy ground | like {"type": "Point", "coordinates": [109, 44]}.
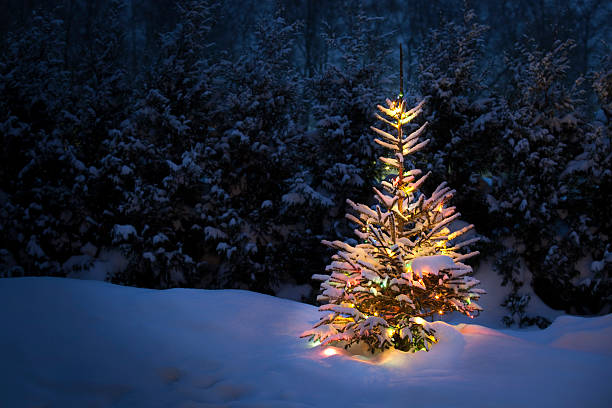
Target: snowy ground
{"type": "Point", "coordinates": [73, 343]}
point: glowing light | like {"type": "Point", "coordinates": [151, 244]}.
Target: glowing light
{"type": "Point", "coordinates": [390, 331]}
{"type": "Point", "coordinates": [440, 312]}
{"type": "Point", "coordinates": [408, 117]}
{"type": "Point", "coordinates": [315, 343]}
{"type": "Point", "coordinates": [440, 244]}
{"type": "Point", "coordinates": [468, 301]}
{"type": "Point", "coordinates": [375, 313]}
{"type": "Point", "coordinates": [437, 296]}
{"type": "Point", "coordinates": [419, 320]}
{"type": "Point", "coordinates": [439, 207]}
{"type": "Point", "coordinates": [328, 352]}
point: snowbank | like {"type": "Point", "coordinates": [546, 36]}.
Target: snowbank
{"type": "Point", "coordinates": [86, 343]}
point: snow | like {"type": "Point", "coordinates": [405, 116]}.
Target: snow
{"type": "Point", "coordinates": [108, 264]}
{"type": "Point", "coordinates": [160, 238]}
{"type": "Point", "coordinates": [85, 343]}
{"type": "Point", "coordinates": [34, 249]}
{"type": "Point", "coordinates": [431, 265]}
{"type": "Point", "coordinates": [123, 232]}
{"type": "Point", "coordinates": [491, 302]}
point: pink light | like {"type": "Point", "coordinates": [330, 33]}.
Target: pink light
{"type": "Point", "coordinates": [328, 352]}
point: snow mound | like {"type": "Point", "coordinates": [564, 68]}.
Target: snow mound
{"type": "Point", "coordinates": [70, 342]}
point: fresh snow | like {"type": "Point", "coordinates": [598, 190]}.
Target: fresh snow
{"type": "Point", "coordinates": [431, 265]}
{"type": "Point", "coordinates": [75, 343]}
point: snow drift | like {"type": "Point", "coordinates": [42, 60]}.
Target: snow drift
{"type": "Point", "coordinates": [86, 343]}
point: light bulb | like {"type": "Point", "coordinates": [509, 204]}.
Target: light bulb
{"type": "Point", "coordinates": [328, 352]}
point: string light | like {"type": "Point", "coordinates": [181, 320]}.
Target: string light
{"type": "Point", "coordinates": [408, 289]}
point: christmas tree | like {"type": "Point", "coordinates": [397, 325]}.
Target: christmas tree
{"type": "Point", "coordinates": [408, 265]}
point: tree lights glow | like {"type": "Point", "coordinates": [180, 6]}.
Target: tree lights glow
{"type": "Point", "coordinates": [330, 351]}
{"type": "Point", "coordinates": [406, 267]}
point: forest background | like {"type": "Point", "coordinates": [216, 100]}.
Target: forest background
{"type": "Point", "coordinates": [213, 144]}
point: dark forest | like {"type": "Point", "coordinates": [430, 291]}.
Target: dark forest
{"type": "Point", "coordinates": [208, 144]}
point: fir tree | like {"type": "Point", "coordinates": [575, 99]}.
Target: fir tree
{"type": "Point", "coordinates": [460, 110]}
{"type": "Point", "coordinates": [247, 152]}
{"type": "Point", "coordinates": [408, 266]}
{"type": "Point", "coordinates": [336, 156]}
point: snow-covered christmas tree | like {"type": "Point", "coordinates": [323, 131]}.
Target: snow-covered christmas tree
{"type": "Point", "coordinates": [408, 265]}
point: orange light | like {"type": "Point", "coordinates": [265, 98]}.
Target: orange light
{"type": "Point", "coordinates": [328, 352]}
{"type": "Point", "coordinates": [437, 296]}
{"type": "Point", "coordinates": [440, 312]}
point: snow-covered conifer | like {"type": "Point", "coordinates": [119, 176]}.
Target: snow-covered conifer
{"type": "Point", "coordinates": [465, 118]}
{"type": "Point", "coordinates": [408, 264]}
{"type": "Point", "coordinates": [252, 123]}
{"type": "Point", "coordinates": [335, 156]}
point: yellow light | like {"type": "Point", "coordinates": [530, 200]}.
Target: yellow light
{"type": "Point", "coordinates": [328, 352]}
{"type": "Point", "coordinates": [375, 313]}
{"type": "Point", "coordinates": [439, 207]}
{"type": "Point", "coordinates": [351, 305]}
{"type": "Point", "coordinates": [440, 312]}
{"type": "Point", "coordinates": [407, 118]}
{"type": "Point", "coordinates": [437, 296]}
{"type": "Point", "coordinates": [390, 331]}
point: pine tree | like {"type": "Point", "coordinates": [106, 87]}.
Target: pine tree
{"type": "Point", "coordinates": [408, 266]}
